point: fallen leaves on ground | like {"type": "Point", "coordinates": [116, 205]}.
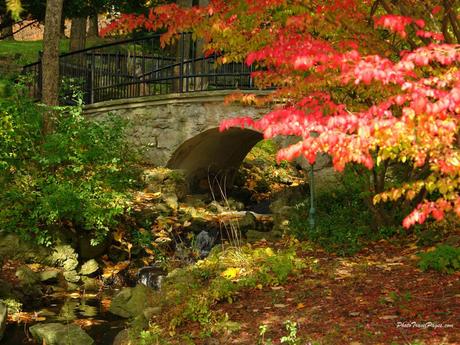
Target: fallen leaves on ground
{"type": "Point", "coordinates": [375, 297]}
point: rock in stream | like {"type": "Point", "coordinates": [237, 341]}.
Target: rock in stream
{"type": "Point", "coordinates": [3, 319]}
{"type": "Point", "coordinates": [59, 334]}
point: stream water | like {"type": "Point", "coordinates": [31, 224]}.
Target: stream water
{"type": "Point", "coordinates": [90, 311]}
{"type": "Point", "coordinates": [86, 310]}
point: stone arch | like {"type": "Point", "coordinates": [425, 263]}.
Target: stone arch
{"type": "Point", "coordinates": [213, 153]}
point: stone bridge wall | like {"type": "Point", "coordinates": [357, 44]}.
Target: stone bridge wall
{"type": "Point", "coordinates": [168, 128]}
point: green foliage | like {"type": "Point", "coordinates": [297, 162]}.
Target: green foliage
{"type": "Point", "coordinates": [14, 306]}
{"type": "Point", "coordinates": [262, 331]}
{"type": "Point", "coordinates": [344, 221]}
{"type": "Point", "coordinates": [76, 177]}
{"type": "Point", "coordinates": [151, 336]}
{"type": "Point", "coordinates": [342, 218]}
{"type": "Point", "coordinates": [444, 259]}
{"type": "Point", "coordinates": [291, 337]}
{"type": "Point", "coordinates": [196, 289]}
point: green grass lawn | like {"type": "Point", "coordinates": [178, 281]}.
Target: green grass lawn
{"type": "Point", "coordinates": [27, 51]}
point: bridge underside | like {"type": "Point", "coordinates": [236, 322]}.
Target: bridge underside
{"type": "Point", "coordinates": [213, 156]}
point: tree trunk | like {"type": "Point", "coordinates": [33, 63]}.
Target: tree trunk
{"type": "Point", "coordinates": [7, 33]}
{"type": "Point", "coordinates": [50, 61]}
{"type": "Point", "coordinates": [78, 34]}
{"type": "Point", "coordinates": [200, 67]}
{"type": "Point", "coordinates": [93, 27]}
{"type": "Point", "coordinates": [182, 53]}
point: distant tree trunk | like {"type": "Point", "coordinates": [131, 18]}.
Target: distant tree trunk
{"type": "Point", "coordinates": [6, 25]}
{"type": "Point", "coordinates": [93, 26]}
{"type": "Point", "coordinates": [7, 33]}
{"type": "Point", "coordinates": [63, 27]}
{"type": "Point", "coordinates": [50, 60]}
{"type": "Point", "coordinates": [200, 68]}
{"type": "Point", "coordinates": [78, 34]}
{"type": "Point", "coordinates": [182, 53]}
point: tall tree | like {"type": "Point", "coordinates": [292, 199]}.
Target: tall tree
{"type": "Point", "coordinates": [78, 34]}
{"type": "Point", "coordinates": [376, 82]}
{"type": "Point", "coordinates": [93, 26]}
{"type": "Point", "coordinates": [50, 60]}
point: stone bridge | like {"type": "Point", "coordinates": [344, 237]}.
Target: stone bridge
{"type": "Point", "coordinates": [181, 131]}
{"type": "Point", "coordinates": [173, 99]}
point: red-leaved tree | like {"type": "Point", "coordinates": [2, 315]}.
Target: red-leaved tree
{"type": "Point", "coordinates": [378, 81]}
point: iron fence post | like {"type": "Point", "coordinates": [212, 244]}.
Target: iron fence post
{"type": "Point", "coordinates": [181, 62]}
{"type": "Point", "coordinates": [91, 78]}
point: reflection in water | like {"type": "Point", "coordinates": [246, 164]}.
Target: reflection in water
{"type": "Point", "coordinates": [88, 311]}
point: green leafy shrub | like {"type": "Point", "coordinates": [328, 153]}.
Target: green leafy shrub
{"type": "Point", "coordinates": [342, 218]}
{"type": "Point", "coordinates": [75, 178]}
{"type": "Point", "coordinates": [344, 221]}
{"type": "Point", "coordinates": [444, 259]}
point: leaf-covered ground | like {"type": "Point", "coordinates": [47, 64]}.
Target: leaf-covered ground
{"type": "Point", "coordinates": [376, 297]}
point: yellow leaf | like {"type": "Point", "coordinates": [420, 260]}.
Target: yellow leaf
{"type": "Point", "coordinates": [410, 195]}
{"type": "Point", "coordinates": [269, 251]}
{"type": "Point", "coordinates": [300, 306]}
{"type": "Point", "coordinates": [118, 235]}
{"type": "Point", "coordinates": [231, 273]}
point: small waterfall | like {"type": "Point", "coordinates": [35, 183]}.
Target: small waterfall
{"type": "Point", "coordinates": [151, 276]}
{"type": "Point", "coordinates": [204, 243]}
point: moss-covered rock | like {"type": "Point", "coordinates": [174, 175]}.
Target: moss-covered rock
{"type": "Point", "coordinates": [64, 256]}
{"type": "Point", "coordinates": [49, 276]}
{"type": "Point", "coordinates": [165, 181]}
{"type": "Point", "coordinates": [13, 247]}
{"type": "Point", "coordinates": [27, 277]}
{"type": "Point", "coordinates": [71, 276]}
{"type": "Point", "coordinates": [131, 302]}
{"type": "Point", "coordinates": [171, 200]}
{"type": "Point", "coordinates": [3, 318]}
{"type": "Point", "coordinates": [90, 284]}
{"type": "Point", "coordinates": [89, 267]}
{"type": "Point", "coordinates": [59, 334]}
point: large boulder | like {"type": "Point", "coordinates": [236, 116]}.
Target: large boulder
{"type": "Point", "coordinates": [3, 319]}
{"type": "Point", "coordinates": [50, 275]}
{"type": "Point", "coordinates": [27, 277]}
{"type": "Point", "coordinates": [64, 256]}
{"type": "Point", "coordinates": [89, 267]}
{"type": "Point", "coordinates": [131, 302]}
{"type": "Point", "coordinates": [29, 282]}
{"type": "Point", "coordinates": [122, 338]}
{"type": "Point", "coordinates": [59, 334]}
{"type": "Point", "coordinates": [165, 181]}
{"type": "Point", "coordinates": [13, 247]}
{"type": "Point", "coordinates": [171, 200]}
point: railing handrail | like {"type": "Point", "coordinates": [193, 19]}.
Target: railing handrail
{"type": "Point", "coordinates": [141, 66]}
{"type": "Point", "coordinates": [106, 45]}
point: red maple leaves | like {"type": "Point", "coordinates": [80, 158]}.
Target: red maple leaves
{"type": "Point", "coordinates": [409, 111]}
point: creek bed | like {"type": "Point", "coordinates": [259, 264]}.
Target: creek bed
{"type": "Point", "coordinates": [86, 310]}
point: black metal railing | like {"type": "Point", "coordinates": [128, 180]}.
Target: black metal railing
{"type": "Point", "coordinates": [140, 67]}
